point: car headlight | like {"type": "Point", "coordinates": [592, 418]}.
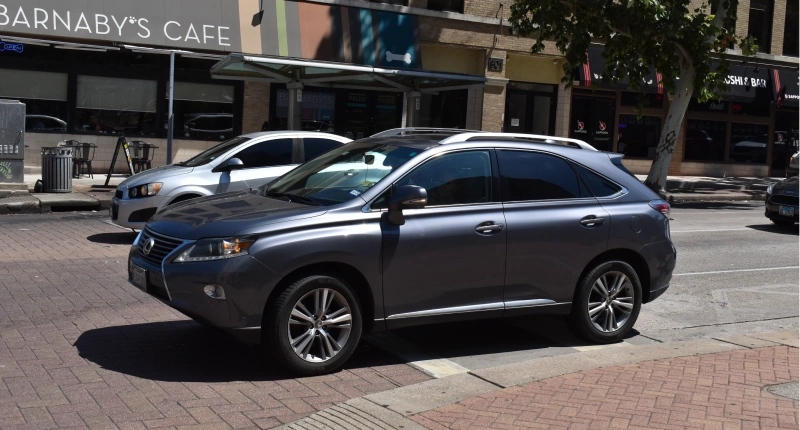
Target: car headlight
{"type": "Point", "coordinates": [146, 190]}
{"type": "Point", "coordinates": [217, 249]}
{"type": "Point", "coordinates": [769, 188]}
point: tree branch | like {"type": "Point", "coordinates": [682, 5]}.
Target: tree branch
{"type": "Point", "coordinates": [616, 30]}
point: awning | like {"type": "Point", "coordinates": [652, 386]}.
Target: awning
{"type": "Point", "coordinates": [786, 87]}
{"type": "Point", "coordinates": [592, 72]}
{"type": "Point", "coordinates": [338, 75]}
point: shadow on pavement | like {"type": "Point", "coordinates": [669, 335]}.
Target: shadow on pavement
{"type": "Point", "coordinates": [185, 351]}
{"type": "Point", "coordinates": [121, 238]}
{"type": "Point", "coordinates": [792, 230]}
{"type": "Point", "coordinates": [717, 205]}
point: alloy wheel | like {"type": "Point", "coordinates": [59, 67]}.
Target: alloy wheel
{"type": "Point", "coordinates": [611, 301]}
{"type": "Point", "coordinates": [319, 325]}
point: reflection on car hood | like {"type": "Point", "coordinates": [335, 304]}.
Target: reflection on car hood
{"type": "Point", "coordinates": [787, 186]}
{"type": "Point", "coordinates": [156, 175]}
{"type": "Point", "coordinates": [223, 215]}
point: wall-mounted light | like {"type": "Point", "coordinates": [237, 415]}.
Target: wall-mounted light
{"type": "Point", "coordinates": [258, 16]}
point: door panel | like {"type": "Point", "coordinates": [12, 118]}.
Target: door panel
{"type": "Point", "coordinates": [517, 113]}
{"type": "Point", "coordinates": [451, 253]}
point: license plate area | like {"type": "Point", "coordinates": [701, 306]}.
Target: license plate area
{"type": "Point", "coordinates": [139, 276]}
{"type": "Point", "coordinates": [786, 211]}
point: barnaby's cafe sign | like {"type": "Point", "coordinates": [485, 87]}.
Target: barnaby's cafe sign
{"type": "Point", "coordinates": [189, 24]}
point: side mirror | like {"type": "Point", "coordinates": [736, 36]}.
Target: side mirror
{"type": "Point", "coordinates": [229, 165]}
{"type": "Point", "coordinates": [406, 197]}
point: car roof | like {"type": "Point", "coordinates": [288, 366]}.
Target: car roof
{"type": "Point", "coordinates": [259, 134]}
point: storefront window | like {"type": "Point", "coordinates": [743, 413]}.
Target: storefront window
{"type": "Point", "coordinates": [386, 111]}
{"type": "Point", "coordinates": [638, 137]}
{"type": "Point", "coordinates": [709, 106]}
{"type": "Point", "coordinates": [448, 109]}
{"type": "Point", "coordinates": [749, 143]}
{"type": "Point", "coordinates": [317, 113]}
{"type": "Point", "coordinates": [759, 108]}
{"type": "Point", "coordinates": [203, 111]}
{"type": "Point", "coordinates": [356, 115]}
{"type": "Point", "coordinates": [113, 105]}
{"type": "Point", "coordinates": [705, 140]}
{"type": "Point", "coordinates": [44, 95]}
{"type": "Point", "coordinates": [593, 121]}
{"type": "Point", "coordinates": [650, 100]}
{"type": "Point", "coordinates": [790, 31]}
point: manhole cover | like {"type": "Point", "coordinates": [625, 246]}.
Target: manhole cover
{"type": "Point", "coordinates": [789, 390]}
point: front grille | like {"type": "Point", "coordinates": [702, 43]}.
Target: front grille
{"type": "Point", "coordinates": [118, 194]}
{"type": "Point", "coordinates": [161, 248]}
{"type": "Point", "coordinates": [779, 199]}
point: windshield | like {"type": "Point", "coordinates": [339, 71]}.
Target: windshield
{"type": "Point", "coordinates": [211, 154]}
{"type": "Point", "coordinates": [342, 174]}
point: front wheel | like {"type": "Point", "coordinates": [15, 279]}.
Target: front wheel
{"type": "Point", "coordinates": [607, 302]}
{"type": "Point", "coordinates": [314, 326]}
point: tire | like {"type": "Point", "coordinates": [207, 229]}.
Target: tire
{"type": "Point", "coordinates": [782, 222]}
{"type": "Point", "coordinates": [317, 355]}
{"type": "Point", "coordinates": [601, 327]}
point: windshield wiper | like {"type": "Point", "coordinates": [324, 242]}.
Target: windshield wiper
{"type": "Point", "coordinates": [294, 198]}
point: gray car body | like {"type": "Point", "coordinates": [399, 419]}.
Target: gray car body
{"type": "Point", "coordinates": [434, 268]}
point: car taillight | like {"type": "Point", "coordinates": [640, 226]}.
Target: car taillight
{"type": "Point", "coordinates": [660, 205]}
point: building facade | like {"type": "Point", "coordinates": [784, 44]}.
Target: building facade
{"type": "Point", "coordinates": [89, 71]}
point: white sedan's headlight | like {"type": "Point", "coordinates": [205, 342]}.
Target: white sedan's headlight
{"type": "Point", "coordinates": [217, 249]}
{"type": "Point", "coordinates": [146, 190]}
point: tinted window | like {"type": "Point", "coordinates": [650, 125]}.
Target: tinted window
{"type": "Point", "coordinates": [276, 152]}
{"type": "Point", "coordinates": [600, 186]}
{"type": "Point", "coordinates": [314, 147]}
{"type": "Point", "coordinates": [536, 176]}
{"type": "Point", "coordinates": [452, 179]}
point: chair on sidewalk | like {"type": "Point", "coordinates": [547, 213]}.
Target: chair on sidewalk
{"type": "Point", "coordinates": [142, 157]}
{"type": "Point", "coordinates": [83, 156]}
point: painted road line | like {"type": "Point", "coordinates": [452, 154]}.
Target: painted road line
{"type": "Point", "coordinates": [414, 356]}
{"type": "Point", "coordinates": [737, 270]}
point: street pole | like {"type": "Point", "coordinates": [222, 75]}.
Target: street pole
{"type": "Point", "coordinates": [170, 118]}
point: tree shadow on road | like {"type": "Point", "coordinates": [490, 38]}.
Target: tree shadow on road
{"type": "Point", "coordinates": [121, 238]}
{"type": "Point", "coordinates": [185, 351]}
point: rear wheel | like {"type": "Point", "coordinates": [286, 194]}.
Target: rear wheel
{"type": "Point", "coordinates": [314, 326]}
{"type": "Point", "coordinates": [607, 302]}
{"type": "Point", "coordinates": [782, 222]}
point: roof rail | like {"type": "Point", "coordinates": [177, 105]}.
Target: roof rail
{"type": "Point", "coordinates": [421, 130]}
{"type": "Point", "coordinates": [536, 138]}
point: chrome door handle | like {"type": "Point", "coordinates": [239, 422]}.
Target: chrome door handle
{"type": "Point", "coordinates": [488, 227]}
{"type": "Point", "coordinates": [591, 221]}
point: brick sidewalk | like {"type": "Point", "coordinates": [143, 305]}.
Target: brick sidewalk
{"type": "Point", "coordinates": [80, 347]}
{"type": "Point", "coordinates": [713, 391]}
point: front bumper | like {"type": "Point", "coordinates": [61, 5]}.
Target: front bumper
{"type": "Point", "coordinates": [247, 284]}
{"type": "Point", "coordinates": [134, 213]}
{"type": "Point", "coordinates": [772, 209]}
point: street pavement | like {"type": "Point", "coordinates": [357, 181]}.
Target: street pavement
{"type": "Point", "coordinates": [80, 347]}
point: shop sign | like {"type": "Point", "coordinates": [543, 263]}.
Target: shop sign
{"type": "Point", "coordinates": [15, 47]}
{"type": "Point", "coordinates": [580, 127]}
{"type": "Point", "coordinates": [786, 87]}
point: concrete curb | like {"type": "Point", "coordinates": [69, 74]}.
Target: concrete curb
{"type": "Point", "coordinates": [24, 203]}
{"type": "Point", "coordinates": [391, 409]}
{"type": "Point", "coordinates": [720, 197]}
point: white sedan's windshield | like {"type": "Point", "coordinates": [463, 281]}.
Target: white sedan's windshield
{"type": "Point", "coordinates": [341, 174]}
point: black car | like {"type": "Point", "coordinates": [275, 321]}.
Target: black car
{"type": "Point", "coordinates": [781, 202]}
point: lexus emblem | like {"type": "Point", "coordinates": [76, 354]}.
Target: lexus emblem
{"type": "Point", "coordinates": [148, 246]}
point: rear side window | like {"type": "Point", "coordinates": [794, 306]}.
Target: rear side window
{"type": "Point", "coordinates": [535, 176]}
{"type": "Point", "coordinates": [600, 186]}
{"type": "Point", "coordinates": [314, 147]}
{"type": "Point", "coordinates": [275, 152]}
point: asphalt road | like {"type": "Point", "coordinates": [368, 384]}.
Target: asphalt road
{"type": "Point", "coordinates": [736, 273]}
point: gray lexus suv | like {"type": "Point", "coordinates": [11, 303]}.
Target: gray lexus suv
{"type": "Point", "coordinates": [395, 231]}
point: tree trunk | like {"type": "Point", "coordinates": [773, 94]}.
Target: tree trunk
{"type": "Point", "coordinates": [657, 178]}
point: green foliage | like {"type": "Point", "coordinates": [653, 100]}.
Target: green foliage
{"type": "Point", "coordinates": [637, 34]}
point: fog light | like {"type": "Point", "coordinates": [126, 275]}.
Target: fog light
{"type": "Point", "coordinates": [215, 292]}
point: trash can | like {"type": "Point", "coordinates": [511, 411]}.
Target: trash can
{"type": "Point", "coordinates": [57, 169]}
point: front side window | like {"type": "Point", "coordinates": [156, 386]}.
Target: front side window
{"type": "Point", "coordinates": [342, 174]}
{"type": "Point", "coordinates": [44, 95]}
{"type": "Point", "coordinates": [114, 105]}
{"type": "Point", "coordinates": [275, 152]}
{"type": "Point", "coordinates": [527, 176]}
{"type": "Point", "coordinates": [454, 179]}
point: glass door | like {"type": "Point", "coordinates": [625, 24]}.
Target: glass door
{"type": "Point", "coordinates": [530, 111]}
{"type": "Point", "coordinates": [784, 142]}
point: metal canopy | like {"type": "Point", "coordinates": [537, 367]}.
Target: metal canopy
{"type": "Point", "coordinates": [338, 75]}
